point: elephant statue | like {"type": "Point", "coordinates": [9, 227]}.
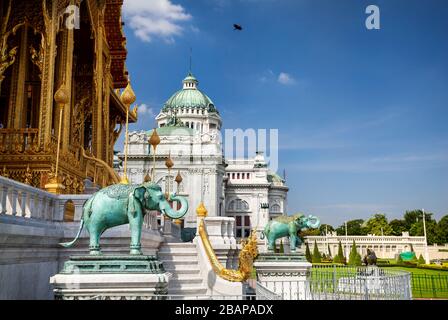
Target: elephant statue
{"type": "Point", "coordinates": [121, 204]}
{"type": "Point", "coordinates": [288, 226]}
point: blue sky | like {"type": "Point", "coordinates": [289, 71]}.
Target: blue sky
{"type": "Point", "coordinates": [362, 114]}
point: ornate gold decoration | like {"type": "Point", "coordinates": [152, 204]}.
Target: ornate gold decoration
{"type": "Point", "coordinates": [5, 172]}
{"type": "Point", "coordinates": [112, 174]}
{"type": "Point", "coordinates": [169, 164]}
{"type": "Point", "coordinates": [37, 57]}
{"type": "Point", "coordinates": [246, 257]}
{"type": "Point", "coordinates": [154, 141]}
{"type": "Point", "coordinates": [28, 175]}
{"type": "Point", "coordinates": [134, 112]}
{"type": "Point", "coordinates": [128, 98]}
{"type": "Point", "coordinates": [61, 97]}
{"type": "Point", "coordinates": [178, 178]}
{"type": "Point", "coordinates": [147, 177]}
{"type": "Point", "coordinates": [201, 210]}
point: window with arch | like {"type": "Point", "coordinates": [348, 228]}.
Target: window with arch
{"type": "Point", "coordinates": [275, 208]}
{"type": "Point", "coordinates": [238, 205]}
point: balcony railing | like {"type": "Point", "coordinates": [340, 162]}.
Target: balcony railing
{"type": "Point", "coordinates": [18, 140]}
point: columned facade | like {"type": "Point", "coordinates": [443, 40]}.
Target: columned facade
{"type": "Point", "coordinates": [40, 52]}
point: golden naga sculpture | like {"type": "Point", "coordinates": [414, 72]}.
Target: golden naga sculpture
{"type": "Point", "coordinates": [248, 253]}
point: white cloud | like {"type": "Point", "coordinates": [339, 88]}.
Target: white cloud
{"type": "Point", "coordinates": [144, 109]}
{"type": "Point", "coordinates": [285, 78]}
{"type": "Point", "coordinates": [155, 18]}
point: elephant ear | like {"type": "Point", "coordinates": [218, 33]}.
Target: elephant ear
{"type": "Point", "coordinates": [136, 198]}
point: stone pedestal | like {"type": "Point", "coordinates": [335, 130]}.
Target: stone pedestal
{"type": "Point", "coordinates": [284, 274]}
{"type": "Point", "coordinates": [111, 277]}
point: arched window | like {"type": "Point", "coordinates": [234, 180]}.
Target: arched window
{"type": "Point", "coordinates": [238, 205]}
{"type": "Point", "coordinates": [275, 208]}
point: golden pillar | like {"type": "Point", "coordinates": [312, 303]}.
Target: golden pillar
{"type": "Point", "coordinates": [61, 97]}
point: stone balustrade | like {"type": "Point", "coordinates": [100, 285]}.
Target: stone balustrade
{"type": "Point", "coordinates": [21, 200]}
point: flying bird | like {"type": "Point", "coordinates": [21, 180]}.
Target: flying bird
{"type": "Point", "coordinates": [237, 27]}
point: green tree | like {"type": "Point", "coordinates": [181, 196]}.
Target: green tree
{"type": "Point", "coordinates": [339, 258]}
{"type": "Point", "coordinates": [307, 252]}
{"type": "Point", "coordinates": [317, 258]}
{"type": "Point", "coordinates": [413, 216]}
{"type": "Point", "coordinates": [377, 223]}
{"type": "Point", "coordinates": [431, 231]}
{"type": "Point", "coordinates": [398, 227]}
{"type": "Point", "coordinates": [325, 227]}
{"type": "Point", "coordinates": [442, 230]}
{"type": "Point", "coordinates": [355, 257]}
{"type": "Point", "coordinates": [421, 260]}
{"type": "Point", "coordinates": [354, 228]}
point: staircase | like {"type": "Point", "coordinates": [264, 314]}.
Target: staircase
{"type": "Point", "coordinates": [181, 259]}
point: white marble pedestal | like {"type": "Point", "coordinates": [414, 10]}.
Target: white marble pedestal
{"type": "Point", "coordinates": [284, 274]}
{"type": "Point", "coordinates": [111, 278]}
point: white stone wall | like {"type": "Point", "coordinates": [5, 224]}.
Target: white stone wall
{"type": "Point", "coordinates": [384, 246]}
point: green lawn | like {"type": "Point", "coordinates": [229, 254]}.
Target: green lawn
{"type": "Point", "coordinates": [425, 283]}
{"type": "Point", "coordinates": [421, 271]}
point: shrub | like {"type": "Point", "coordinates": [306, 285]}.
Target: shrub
{"type": "Point", "coordinates": [355, 257]}
{"type": "Point", "coordinates": [421, 260]}
{"type": "Point", "coordinates": [308, 253]}
{"type": "Point", "coordinates": [316, 254]}
{"type": "Point", "coordinates": [399, 260]}
{"type": "Point", "coordinates": [339, 258]}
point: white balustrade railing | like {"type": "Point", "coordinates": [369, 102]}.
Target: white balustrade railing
{"type": "Point", "coordinates": [20, 200]}
{"type": "Point", "coordinates": [23, 201]}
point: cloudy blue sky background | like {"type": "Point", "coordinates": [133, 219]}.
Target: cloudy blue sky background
{"type": "Point", "coordinates": [362, 114]}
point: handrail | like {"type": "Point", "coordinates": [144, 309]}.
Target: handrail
{"type": "Point", "coordinates": [246, 257]}
{"type": "Point", "coordinates": [112, 173]}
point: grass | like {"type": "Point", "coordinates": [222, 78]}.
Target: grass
{"type": "Point", "coordinates": [425, 283]}
{"type": "Point", "coordinates": [418, 271]}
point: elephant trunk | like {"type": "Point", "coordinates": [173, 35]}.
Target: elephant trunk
{"type": "Point", "coordinates": [170, 212]}
{"type": "Point", "coordinates": [313, 222]}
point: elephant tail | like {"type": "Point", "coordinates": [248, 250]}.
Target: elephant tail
{"type": "Point", "coordinates": [69, 244]}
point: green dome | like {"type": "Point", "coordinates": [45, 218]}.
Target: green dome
{"type": "Point", "coordinates": [189, 97]}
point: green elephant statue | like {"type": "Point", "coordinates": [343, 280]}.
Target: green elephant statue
{"type": "Point", "coordinates": [121, 204]}
{"type": "Point", "coordinates": [288, 226]}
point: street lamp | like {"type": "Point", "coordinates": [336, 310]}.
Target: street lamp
{"type": "Point", "coordinates": [426, 240]}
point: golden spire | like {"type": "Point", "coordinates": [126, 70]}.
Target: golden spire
{"type": "Point", "coordinates": [169, 163]}
{"type": "Point", "coordinates": [154, 141]}
{"type": "Point", "coordinates": [147, 177]}
{"type": "Point", "coordinates": [201, 210]}
{"type": "Point", "coordinates": [61, 97]}
{"type": "Point", "coordinates": [178, 178]}
{"type": "Point", "coordinates": [127, 98]}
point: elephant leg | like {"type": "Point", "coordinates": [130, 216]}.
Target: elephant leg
{"type": "Point", "coordinates": [136, 224]}
{"type": "Point", "coordinates": [94, 245]}
{"type": "Point", "coordinates": [293, 241]}
{"type": "Point", "coordinates": [271, 244]}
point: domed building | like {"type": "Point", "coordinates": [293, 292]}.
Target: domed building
{"type": "Point", "coordinates": [189, 126]}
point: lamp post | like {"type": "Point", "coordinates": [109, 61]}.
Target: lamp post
{"type": "Point", "coordinates": [426, 240]}
{"type": "Point", "coordinates": [346, 240]}
{"type": "Point", "coordinates": [178, 180]}
{"type": "Point", "coordinates": [61, 98]}
{"type": "Point", "coordinates": [127, 98]}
